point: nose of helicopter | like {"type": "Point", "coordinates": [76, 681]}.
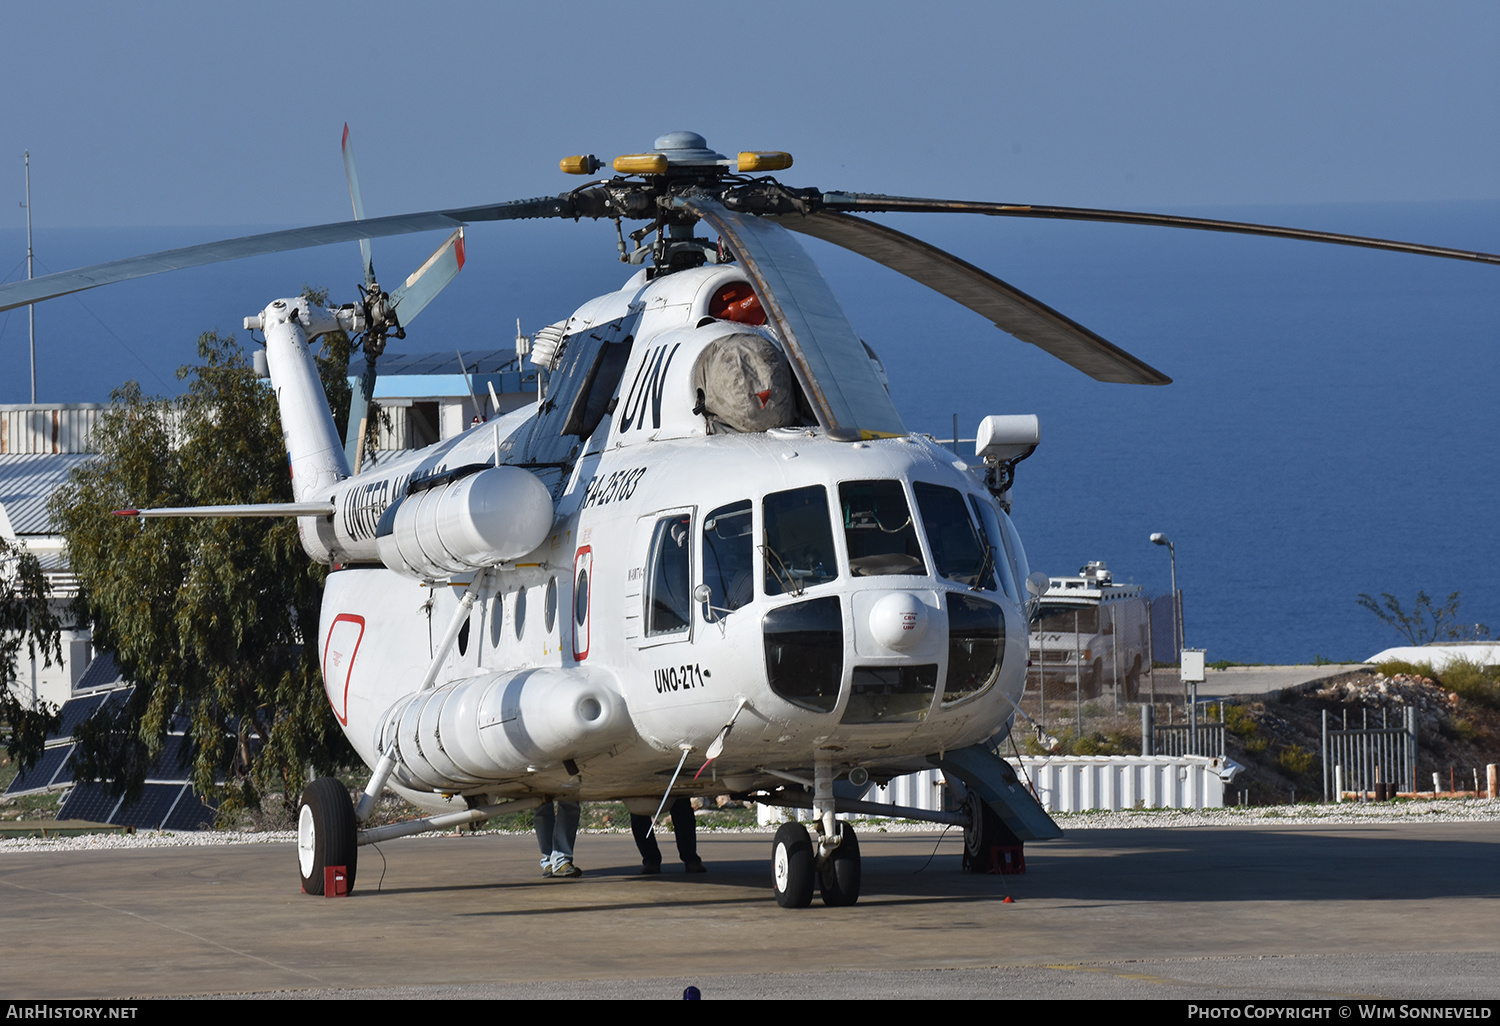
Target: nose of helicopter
{"type": "Point", "coordinates": [899, 620]}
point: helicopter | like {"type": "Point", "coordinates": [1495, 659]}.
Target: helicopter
{"type": "Point", "coordinates": [712, 538]}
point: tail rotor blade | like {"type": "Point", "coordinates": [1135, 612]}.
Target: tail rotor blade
{"type": "Point", "coordinates": [428, 280]}
{"type": "Point", "coordinates": [358, 199]}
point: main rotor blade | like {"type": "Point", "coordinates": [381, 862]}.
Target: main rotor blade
{"type": "Point", "coordinates": [358, 199]}
{"type": "Point", "coordinates": [63, 283]}
{"type": "Point", "coordinates": [826, 354]}
{"type": "Point", "coordinates": [428, 280]}
{"type": "Point", "coordinates": [1011, 310]}
{"type": "Point", "coordinates": [871, 204]}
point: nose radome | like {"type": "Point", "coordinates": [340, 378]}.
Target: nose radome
{"type": "Point", "coordinates": [899, 620]}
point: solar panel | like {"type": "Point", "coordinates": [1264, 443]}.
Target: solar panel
{"type": "Point", "coordinates": [190, 814]}
{"type": "Point", "coordinates": [115, 700]}
{"type": "Point", "coordinates": [75, 711]}
{"type": "Point", "coordinates": [150, 810]}
{"type": "Point", "coordinates": [50, 769]}
{"type": "Point", "coordinates": [172, 764]}
{"type": "Point", "coordinates": [90, 802]}
{"type": "Point", "coordinates": [102, 671]}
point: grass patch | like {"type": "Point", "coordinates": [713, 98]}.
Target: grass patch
{"type": "Point", "coordinates": [1393, 667]}
{"type": "Point", "coordinates": [1473, 682]}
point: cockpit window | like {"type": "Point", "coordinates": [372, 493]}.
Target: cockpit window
{"type": "Point", "coordinates": [1004, 567]}
{"type": "Point", "coordinates": [878, 529]}
{"type": "Point", "coordinates": [729, 556]}
{"type": "Point", "coordinates": [669, 601]}
{"type": "Point", "coordinates": [1013, 549]}
{"type": "Point", "coordinates": [798, 550]}
{"type": "Point", "coordinates": [959, 551]}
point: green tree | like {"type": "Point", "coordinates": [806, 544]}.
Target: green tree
{"type": "Point", "coordinates": [214, 619]}
{"type": "Point", "coordinates": [1427, 621]}
{"type": "Point", "coordinates": [26, 621]}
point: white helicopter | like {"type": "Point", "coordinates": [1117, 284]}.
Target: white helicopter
{"type": "Point", "coordinates": [712, 538]}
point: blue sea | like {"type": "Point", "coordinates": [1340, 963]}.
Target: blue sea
{"type": "Point", "coordinates": [1331, 428]}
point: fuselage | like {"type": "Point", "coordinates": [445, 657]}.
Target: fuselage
{"type": "Point", "coordinates": [858, 599]}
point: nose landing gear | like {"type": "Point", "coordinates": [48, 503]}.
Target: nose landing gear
{"type": "Point", "coordinates": [796, 865]}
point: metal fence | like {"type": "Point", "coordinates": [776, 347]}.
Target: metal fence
{"type": "Point", "coordinates": [1198, 736]}
{"type": "Point", "coordinates": [1356, 759]}
{"type": "Point", "coordinates": [1206, 739]}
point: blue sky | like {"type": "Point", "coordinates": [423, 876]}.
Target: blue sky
{"type": "Point", "coordinates": [191, 113]}
{"type": "Point", "coordinates": [1331, 407]}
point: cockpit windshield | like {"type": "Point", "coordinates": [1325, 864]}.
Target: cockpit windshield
{"type": "Point", "coordinates": [878, 529]}
{"type": "Point", "coordinates": [798, 549]}
{"type": "Point", "coordinates": [961, 553]}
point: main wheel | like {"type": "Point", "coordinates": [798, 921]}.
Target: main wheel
{"type": "Point", "coordinates": [792, 866]}
{"type": "Point", "coordinates": [326, 833]}
{"type": "Point", "coordinates": [981, 834]}
{"type": "Point", "coordinates": [839, 876]}
{"type": "Point", "coordinates": [1133, 680]}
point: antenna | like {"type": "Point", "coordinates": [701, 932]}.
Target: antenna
{"type": "Point", "coordinates": [31, 307]}
{"type": "Point", "coordinates": [478, 410]}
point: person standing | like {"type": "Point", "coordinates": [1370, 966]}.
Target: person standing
{"type": "Point", "coordinates": [556, 830]}
{"type": "Point", "coordinates": [684, 829]}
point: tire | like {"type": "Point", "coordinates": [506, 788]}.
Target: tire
{"type": "Point", "coordinates": [326, 833]}
{"type": "Point", "coordinates": [1094, 679]}
{"type": "Point", "coordinates": [981, 835]}
{"type": "Point", "coordinates": [840, 875]}
{"type": "Point", "coordinates": [792, 866]}
{"type": "Point", "coordinates": [1133, 680]}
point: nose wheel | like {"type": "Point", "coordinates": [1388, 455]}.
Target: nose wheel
{"type": "Point", "coordinates": [796, 867]}
{"type": "Point", "coordinates": [839, 873]}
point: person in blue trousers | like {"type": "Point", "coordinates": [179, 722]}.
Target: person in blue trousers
{"type": "Point", "coordinates": [555, 834]}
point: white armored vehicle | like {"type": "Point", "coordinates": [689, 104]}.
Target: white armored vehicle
{"type": "Point", "coordinates": [1092, 632]}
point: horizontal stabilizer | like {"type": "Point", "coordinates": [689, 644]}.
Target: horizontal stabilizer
{"type": "Point", "coordinates": [250, 509]}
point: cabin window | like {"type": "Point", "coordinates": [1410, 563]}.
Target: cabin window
{"type": "Point", "coordinates": [669, 597]}
{"type": "Point", "coordinates": [729, 556]}
{"type": "Point", "coordinates": [520, 612]}
{"type": "Point", "coordinates": [959, 552]}
{"type": "Point", "coordinates": [497, 619]}
{"type": "Point", "coordinates": [878, 530]}
{"type": "Point", "coordinates": [550, 606]}
{"type": "Point", "coordinates": [581, 598]}
{"type": "Point", "coordinates": [798, 547]}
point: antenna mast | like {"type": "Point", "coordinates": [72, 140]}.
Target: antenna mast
{"type": "Point", "coordinates": [31, 308]}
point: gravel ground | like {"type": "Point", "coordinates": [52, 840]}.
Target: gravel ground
{"type": "Point", "coordinates": [1448, 810]}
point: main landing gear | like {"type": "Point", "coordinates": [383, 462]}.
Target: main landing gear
{"type": "Point", "coordinates": [326, 834]}
{"type": "Point", "coordinates": [833, 865]}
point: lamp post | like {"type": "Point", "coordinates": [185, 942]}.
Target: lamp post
{"type": "Point", "coordinates": [1160, 539]}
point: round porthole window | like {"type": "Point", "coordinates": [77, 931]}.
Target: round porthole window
{"type": "Point", "coordinates": [520, 613]}
{"type": "Point", "coordinates": [497, 619]}
{"type": "Point", "coordinates": [581, 597]}
{"type": "Point", "coordinates": [551, 605]}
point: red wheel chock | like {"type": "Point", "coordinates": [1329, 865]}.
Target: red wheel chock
{"type": "Point", "coordinates": [335, 881]}
{"type": "Point", "coordinates": [1004, 859]}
